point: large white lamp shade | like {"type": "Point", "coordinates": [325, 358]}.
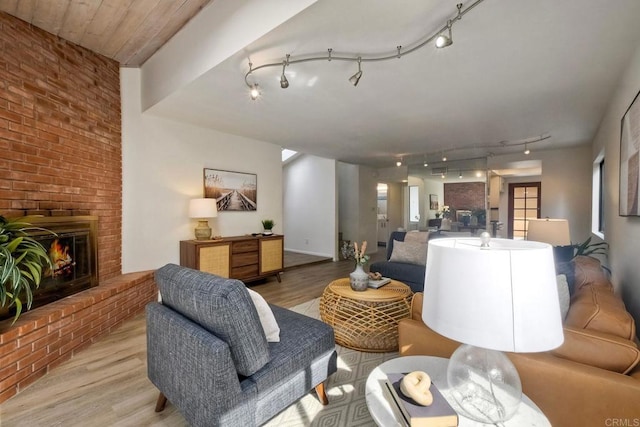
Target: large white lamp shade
{"type": "Point", "coordinates": [498, 298]}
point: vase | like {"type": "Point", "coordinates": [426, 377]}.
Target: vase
{"type": "Point", "coordinates": [359, 279]}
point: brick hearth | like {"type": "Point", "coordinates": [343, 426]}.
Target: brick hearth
{"type": "Point", "coordinates": [45, 337]}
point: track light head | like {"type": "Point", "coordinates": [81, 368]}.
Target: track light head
{"type": "Point", "coordinates": [284, 83]}
{"type": "Point", "coordinates": [526, 149]}
{"type": "Point", "coordinates": [444, 158]}
{"type": "Point", "coordinates": [426, 164]}
{"type": "Point", "coordinates": [443, 40]}
{"type": "Point", "coordinates": [356, 77]}
{"type": "Point", "coordinates": [399, 162]}
{"type": "Point", "coordinates": [254, 92]}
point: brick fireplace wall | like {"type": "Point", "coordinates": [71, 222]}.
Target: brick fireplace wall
{"type": "Point", "coordinates": [60, 133]}
{"type": "Point", "coordinates": [465, 195]}
{"type": "Point", "coordinates": [60, 140]}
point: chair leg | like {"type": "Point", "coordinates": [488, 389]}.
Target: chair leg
{"type": "Point", "coordinates": [322, 394]}
{"type": "Point", "coordinates": [161, 402]}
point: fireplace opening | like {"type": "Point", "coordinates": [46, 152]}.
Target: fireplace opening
{"type": "Point", "coordinates": [71, 245]}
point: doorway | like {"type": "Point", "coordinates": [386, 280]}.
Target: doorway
{"type": "Point", "coordinates": [524, 204]}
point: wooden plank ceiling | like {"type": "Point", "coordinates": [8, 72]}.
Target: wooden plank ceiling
{"type": "Point", "coordinates": [129, 31]}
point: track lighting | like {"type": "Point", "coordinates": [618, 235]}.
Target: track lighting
{"type": "Point", "coordinates": [444, 158]}
{"type": "Point", "coordinates": [255, 92]}
{"type": "Point", "coordinates": [356, 77]}
{"type": "Point", "coordinates": [284, 83]}
{"type": "Point", "coordinates": [526, 149]}
{"type": "Point", "coordinates": [399, 162]}
{"type": "Point", "coordinates": [460, 174]}
{"type": "Point", "coordinates": [439, 36]}
{"type": "Point", "coordinates": [443, 40]}
{"type": "Point", "coordinates": [426, 164]}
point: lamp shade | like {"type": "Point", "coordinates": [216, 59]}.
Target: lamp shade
{"type": "Point", "coordinates": [203, 208]}
{"type": "Point", "coordinates": [552, 231]}
{"type": "Point", "coordinates": [503, 297]}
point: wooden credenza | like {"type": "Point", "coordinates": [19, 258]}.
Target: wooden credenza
{"type": "Point", "coordinates": [245, 258]}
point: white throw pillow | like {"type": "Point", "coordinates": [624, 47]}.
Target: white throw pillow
{"type": "Point", "coordinates": [409, 252]}
{"type": "Point", "coordinates": [267, 319]}
{"type": "Point", "coordinates": [563, 295]}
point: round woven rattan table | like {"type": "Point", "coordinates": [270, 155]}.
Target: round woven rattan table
{"type": "Point", "coordinates": [366, 320]}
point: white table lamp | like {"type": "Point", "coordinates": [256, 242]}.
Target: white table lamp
{"type": "Point", "coordinates": [492, 295]}
{"type": "Point", "coordinates": [554, 232]}
{"type": "Point", "coordinates": [202, 209]}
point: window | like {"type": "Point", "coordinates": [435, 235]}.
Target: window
{"type": "Point", "coordinates": [597, 197]}
{"type": "Point", "coordinates": [414, 204]}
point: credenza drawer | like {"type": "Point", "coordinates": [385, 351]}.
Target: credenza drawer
{"type": "Point", "coordinates": [242, 259]}
{"type": "Point", "coordinates": [244, 246]}
{"type": "Point", "coordinates": [244, 272]}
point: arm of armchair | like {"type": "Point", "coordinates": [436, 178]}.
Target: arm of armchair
{"type": "Point", "coordinates": [193, 368]}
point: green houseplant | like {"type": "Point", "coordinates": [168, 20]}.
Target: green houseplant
{"type": "Point", "coordinates": [22, 261]}
{"type": "Point", "coordinates": [268, 224]}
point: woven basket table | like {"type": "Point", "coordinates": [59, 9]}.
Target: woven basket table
{"type": "Point", "coordinates": [366, 320]}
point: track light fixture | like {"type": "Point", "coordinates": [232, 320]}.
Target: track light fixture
{"type": "Point", "coordinates": [284, 83]}
{"type": "Point", "coordinates": [254, 92]}
{"type": "Point", "coordinates": [440, 38]}
{"type": "Point", "coordinates": [356, 77]}
{"type": "Point", "coordinates": [526, 149]}
{"type": "Point", "coordinates": [399, 162]}
{"type": "Point", "coordinates": [443, 40]}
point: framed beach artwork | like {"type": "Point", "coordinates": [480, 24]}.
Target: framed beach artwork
{"type": "Point", "coordinates": [630, 160]}
{"type": "Point", "coordinates": [233, 191]}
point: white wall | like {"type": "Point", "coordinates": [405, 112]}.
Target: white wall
{"type": "Point", "coordinates": [162, 168]}
{"type": "Point", "coordinates": [310, 206]}
{"type": "Point", "coordinates": [622, 233]}
{"type": "Point", "coordinates": [357, 204]}
{"type": "Point", "coordinates": [566, 187]}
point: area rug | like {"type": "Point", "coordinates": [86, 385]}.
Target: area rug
{"type": "Point", "coordinates": [345, 388]}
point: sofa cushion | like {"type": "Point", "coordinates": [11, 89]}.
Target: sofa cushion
{"type": "Point", "coordinates": [598, 349]}
{"type": "Point", "coordinates": [302, 340]}
{"type": "Point", "coordinates": [417, 236]}
{"type": "Point", "coordinates": [589, 271]}
{"type": "Point", "coordinates": [221, 306]}
{"type": "Point", "coordinates": [597, 308]}
{"type": "Point", "coordinates": [409, 252]}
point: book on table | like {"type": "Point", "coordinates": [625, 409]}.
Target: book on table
{"type": "Point", "coordinates": [438, 414]}
{"type": "Point", "coordinates": [375, 284]}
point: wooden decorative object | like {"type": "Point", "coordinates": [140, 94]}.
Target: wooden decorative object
{"type": "Point", "coordinates": [366, 321]}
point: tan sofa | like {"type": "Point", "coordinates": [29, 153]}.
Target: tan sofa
{"type": "Point", "coordinates": [593, 379]}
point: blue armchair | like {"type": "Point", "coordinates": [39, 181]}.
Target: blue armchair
{"type": "Point", "coordinates": [208, 355]}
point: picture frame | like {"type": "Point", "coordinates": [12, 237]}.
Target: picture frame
{"type": "Point", "coordinates": [433, 202]}
{"type": "Point", "coordinates": [629, 183]}
{"type": "Point", "coordinates": [233, 191]}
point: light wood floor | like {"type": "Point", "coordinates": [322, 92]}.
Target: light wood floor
{"type": "Point", "coordinates": [107, 385]}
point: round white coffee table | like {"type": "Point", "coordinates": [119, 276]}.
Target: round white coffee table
{"type": "Point", "coordinates": [384, 414]}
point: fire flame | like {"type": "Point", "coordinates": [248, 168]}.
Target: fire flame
{"type": "Point", "coordinates": [60, 258]}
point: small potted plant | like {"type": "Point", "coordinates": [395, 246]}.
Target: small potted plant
{"type": "Point", "coordinates": [268, 224]}
{"type": "Point", "coordinates": [22, 262]}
